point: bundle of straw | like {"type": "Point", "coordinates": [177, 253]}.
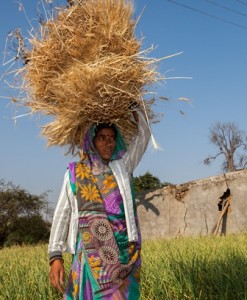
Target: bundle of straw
{"type": "Point", "coordinates": [85, 66]}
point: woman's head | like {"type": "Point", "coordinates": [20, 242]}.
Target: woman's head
{"type": "Point", "coordinates": [105, 140]}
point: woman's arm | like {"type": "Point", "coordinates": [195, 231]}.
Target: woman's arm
{"type": "Point", "coordinates": [58, 235]}
{"type": "Point", "coordinates": [139, 143]}
{"type": "Point", "coordinates": [61, 220]}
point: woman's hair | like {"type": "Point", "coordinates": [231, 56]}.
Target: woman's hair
{"type": "Point", "coordinates": [101, 126]}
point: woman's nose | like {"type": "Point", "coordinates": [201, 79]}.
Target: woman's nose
{"type": "Point", "coordinates": [109, 141]}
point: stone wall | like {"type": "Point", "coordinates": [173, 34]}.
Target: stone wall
{"type": "Point", "coordinates": [193, 208]}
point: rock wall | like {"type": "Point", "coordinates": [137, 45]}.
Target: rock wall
{"type": "Point", "coordinates": [215, 205]}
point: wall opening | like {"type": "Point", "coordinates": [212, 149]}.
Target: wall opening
{"type": "Point", "coordinates": [223, 206]}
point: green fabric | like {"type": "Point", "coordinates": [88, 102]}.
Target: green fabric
{"type": "Point", "coordinates": [72, 184]}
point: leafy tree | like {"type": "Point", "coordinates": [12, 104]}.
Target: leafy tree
{"type": "Point", "coordinates": [19, 208]}
{"type": "Point", "coordinates": [146, 182]}
{"type": "Point", "coordinates": [228, 138]}
{"type": "Point", "coordinates": [27, 230]}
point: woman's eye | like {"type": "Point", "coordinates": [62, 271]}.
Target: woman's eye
{"type": "Point", "coordinates": [103, 138]}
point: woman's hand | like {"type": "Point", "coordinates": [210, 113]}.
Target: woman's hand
{"type": "Point", "coordinates": [57, 275]}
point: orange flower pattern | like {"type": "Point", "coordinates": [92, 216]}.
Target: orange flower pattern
{"type": "Point", "coordinates": [83, 171]}
{"type": "Point", "coordinates": [90, 193]}
{"type": "Point", "coordinates": [86, 237]}
{"type": "Point", "coordinates": [95, 264]}
{"type": "Point", "coordinates": [108, 184]}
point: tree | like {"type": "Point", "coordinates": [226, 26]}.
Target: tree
{"type": "Point", "coordinates": [27, 230]}
{"type": "Point", "coordinates": [228, 138]}
{"type": "Point", "coordinates": [146, 182]}
{"type": "Point", "coordinates": [19, 207]}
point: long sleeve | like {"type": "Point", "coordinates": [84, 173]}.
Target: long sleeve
{"type": "Point", "coordinates": [61, 221]}
{"type": "Point", "coordinates": [123, 168]}
{"type": "Point", "coordinates": [138, 145]}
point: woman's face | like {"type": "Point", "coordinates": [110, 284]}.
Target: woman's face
{"type": "Point", "coordinates": [105, 142]}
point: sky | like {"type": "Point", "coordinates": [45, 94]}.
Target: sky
{"type": "Point", "coordinates": [212, 38]}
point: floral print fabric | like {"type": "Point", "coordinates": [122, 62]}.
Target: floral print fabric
{"type": "Point", "coordinates": [106, 266]}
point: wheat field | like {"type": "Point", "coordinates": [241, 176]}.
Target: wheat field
{"type": "Point", "coordinates": [185, 268]}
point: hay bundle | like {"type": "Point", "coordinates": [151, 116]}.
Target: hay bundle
{"type": "Point", "coordinates": [85, 67]}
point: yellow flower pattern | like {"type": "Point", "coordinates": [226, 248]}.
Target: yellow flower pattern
{"type": "Point", "coordinates": [86, 237]}
{"type": "Point", "coordinates": [76, 290]}
{"type": "Point", "coordinates": [94, 263]}
{"type": "Point", "coordinates": [135, 256]}
{"type": "Point", "coordinates": [108, 184]}
{"type": "Point", "coordinates": [74, 276]}
{"type": "Point", "coordinates": [75, 285]}
{"type": "Point", "coordinates": [82, 171]}
{"type": "Point", "coordinates": [90, 193]}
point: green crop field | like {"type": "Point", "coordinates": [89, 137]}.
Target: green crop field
{"type": "Point", "coordinates": [185, 268]}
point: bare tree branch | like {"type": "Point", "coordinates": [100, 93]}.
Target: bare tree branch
{"type": "Point", "coordinates": [227, 137]}
{"type": "Point", "coordinates": [207, 161]}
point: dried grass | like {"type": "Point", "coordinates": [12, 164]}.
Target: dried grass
{"type": "Point", "coordinates": [85, 66]}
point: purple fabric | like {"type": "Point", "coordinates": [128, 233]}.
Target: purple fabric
{"type": "Point", "coordinates": [112, 202]}
{"type": "Point", "coordinates": [72, 172]}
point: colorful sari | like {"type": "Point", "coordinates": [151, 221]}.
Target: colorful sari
{"type": "Point", "coordinates": [105, 266]}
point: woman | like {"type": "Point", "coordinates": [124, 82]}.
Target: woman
{"type": "Point", "coordinates": [95, 218]}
